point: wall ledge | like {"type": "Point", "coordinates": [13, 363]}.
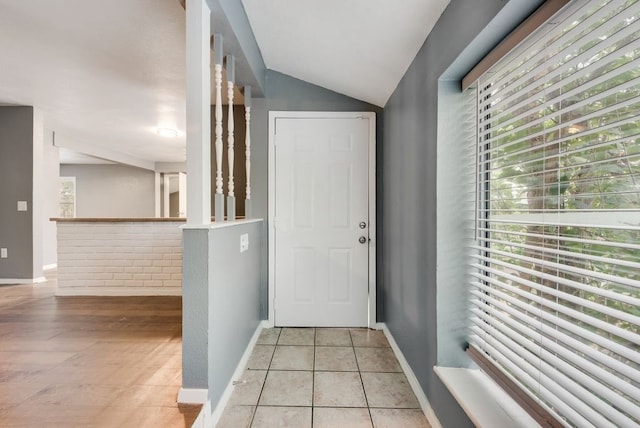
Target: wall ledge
{"type": "Point", "coordinates": [484, 402]}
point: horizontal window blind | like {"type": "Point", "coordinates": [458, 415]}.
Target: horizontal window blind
{"type": "Point", "coordinates": [555, 268]}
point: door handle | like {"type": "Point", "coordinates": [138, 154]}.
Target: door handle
{"type": "Point", "coordinates": [363, 225]}
{"type": "Point", "coordinates": [362, 239]}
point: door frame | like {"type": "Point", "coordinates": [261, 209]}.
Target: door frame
{"type": "Point", "coordinates": [371, 117]}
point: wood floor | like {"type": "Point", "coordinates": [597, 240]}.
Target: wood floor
{"type": "Point", "coordinates": [89, 361]}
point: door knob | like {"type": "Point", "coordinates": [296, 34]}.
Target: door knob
{"type": "Point", "coordinates": [363, 224]}
{"type": "Point", "coordinates": [362, 239]}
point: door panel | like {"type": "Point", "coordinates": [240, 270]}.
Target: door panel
{"type": "Point", "coordinates": [321, 196]}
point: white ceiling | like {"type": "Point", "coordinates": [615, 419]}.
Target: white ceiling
{"type": "Point", "coordinates": [105, 74]}
{"type": "Point", "coordinates": [360, 48]}
{"type": "Point", "coordinates": [108, 74]}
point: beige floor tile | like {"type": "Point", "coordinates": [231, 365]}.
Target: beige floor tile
{"type": "Point", "coordinates": [260, 358]}
{"type": "Point", "coordinates": [297, 336]}
{"type": "Point", "coordinates": [333, 337]}
{"type": "Point", "coordinates": [282, 417]}
{"type": "Point", "coordinates": [292, 358]}
{"type": "Point", "coordinates": [369, 338]}
{"type": "Point", "coordinates": [269, 336]}
{"type": "Point", "coordinates": [335, 359]}
{"type": "Point", "coordinates": [287, 388]}
{"type": "Point", "coordinates": [338, 389]}
{"type": "Point", "coordinates": [377, 360]}
{"type": "Point", "coordinates": [393, 418]}
{"type": "Point", "coordinates": [247, 391]}
{"type": "Point", "coordinates": [236, 417]}
{"type": "Point", "coordinates": [336, 417]}
{"type": "Point", "coordinates": [389, 390]}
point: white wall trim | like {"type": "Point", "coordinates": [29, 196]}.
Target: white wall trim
{"type": "Point", "coordinates": [193, 396]}
{"type": "Point", "coordinates": [371, 117]}
{"type": "Point", "coordinates": [237, 374]}
{"type": "Point", "coordinates": [119, 291]}
{"type": "Point", "coordinates": [413, 380]}
{"type": "Point", "coordinates": [50, 267]}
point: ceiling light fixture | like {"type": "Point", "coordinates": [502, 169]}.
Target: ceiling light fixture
{"type": "Point", "coordinates": [167, 132]}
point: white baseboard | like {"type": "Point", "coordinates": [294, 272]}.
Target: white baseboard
{"type": "Point", "coordinates": [411, 377]}
{"type": "Point", "coordinates": [50, 267]}
{"type": "Point", "coordinates": [16, 281]}
{"type": "Point", "coordinates": [118, 291]}
{"type": "Point", "coordinates": [193, 396]}
{"type": "Point", "coordinates": [237, 374]}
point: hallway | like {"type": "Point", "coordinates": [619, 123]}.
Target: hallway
{"type": "Point", "coordinates": [321, 377]}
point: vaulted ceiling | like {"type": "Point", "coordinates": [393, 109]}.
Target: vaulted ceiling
{"type": "Point", "coordinates": [108, 74]}
{"type": "Point", "coordinates": [360, 48]}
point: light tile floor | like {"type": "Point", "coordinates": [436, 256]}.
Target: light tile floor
{"type": "Point", "coordinates": [322, 377]}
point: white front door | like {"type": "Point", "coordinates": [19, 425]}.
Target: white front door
{"type": "Point", "coordinates": [321, 222]}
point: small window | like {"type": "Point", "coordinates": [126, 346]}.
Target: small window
{"type": "Point", "coordinates": [67, 197]}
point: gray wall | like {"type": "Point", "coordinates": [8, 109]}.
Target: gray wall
{"type": "Point", "coordinates": [234, 300]}
{"type": "Point", "coordinates": [221, 301]}
{"type": "Point", "coordinates": [285, 93]}
{"type": "Point", "coordinates": [16, 176]}
{"type": "Point", "coordinates": [112, 190]}
{"type": "Point", "coordinates": [407, 283]}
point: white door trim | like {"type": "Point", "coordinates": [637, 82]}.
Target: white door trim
{"type": "Point", "coordinates": [371, 117]}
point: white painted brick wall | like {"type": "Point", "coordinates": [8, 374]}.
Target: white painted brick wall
{"type": "Point", "coordinates": [119, 258]}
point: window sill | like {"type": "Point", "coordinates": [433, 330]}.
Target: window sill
{"type": "Point", "coordinates": [484, 402]}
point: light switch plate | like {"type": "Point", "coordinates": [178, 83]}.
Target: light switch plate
{"type": "Point", "coordinates": [3, 253]}
{"type": "Point", "coordinates": [22, 205]}
{"type": "Point", "coordinates": [244, 242]}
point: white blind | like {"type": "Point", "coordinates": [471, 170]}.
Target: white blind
{"type": "Point", "coordinates": [555, 299]}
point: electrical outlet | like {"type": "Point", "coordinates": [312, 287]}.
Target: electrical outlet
{"type": "Point", "coordinates": [3, 253]}
{"type": "Point", "coordinates": [22, 205]}
{"type": "Point", "coordinates": [244, 242]}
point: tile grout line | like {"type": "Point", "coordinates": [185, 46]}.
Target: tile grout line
{"type": "Point", "coordinates": [313, 374]}
{"type": "Point", "coordinates": [364, 392]}
{"type": "Point", "coordinates": [265, 379]}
